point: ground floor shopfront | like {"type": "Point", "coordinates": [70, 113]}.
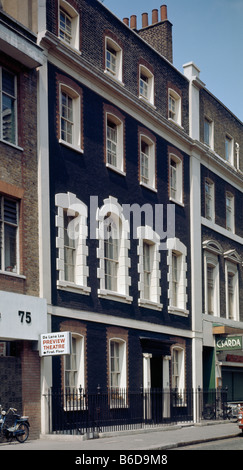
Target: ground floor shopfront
{"type": "Point", "coordinates": [223, 362]}
{"type": "Point", "coordinates": [22, 319]}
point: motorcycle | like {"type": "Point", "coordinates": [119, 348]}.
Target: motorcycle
{"type": "Point", "coordinates": [18, 430]}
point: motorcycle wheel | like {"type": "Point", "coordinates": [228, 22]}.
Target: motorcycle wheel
{"type": "Point", "coordinates": [23, 437]}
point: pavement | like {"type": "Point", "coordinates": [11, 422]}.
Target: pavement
{"type": "Point", "coordinates": [162, 438]}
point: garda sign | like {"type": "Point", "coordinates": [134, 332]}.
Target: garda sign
{"type": "Point", "coordinates": [228, 344]}
{"type": "Point", "coordinates": [55, 344]}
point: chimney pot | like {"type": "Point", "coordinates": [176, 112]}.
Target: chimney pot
{"type": "Point", "coordinates": [155, 17]}
{"type": "Point", "coordinates": [133, 22]}
{"type": "Point", "coordinates": [126, 21]}
{"type": "Point", "coordinates": [144, 20]}
{"type": "Point", "coordinates": [163, 12]}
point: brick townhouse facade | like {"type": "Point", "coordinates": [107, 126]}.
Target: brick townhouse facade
{"type": "Point", "coordinates": [139, 205]}
{"type": "Point", "coordinates": [217, 168]}
{"type": "Point", "coordinates": [23, 314]}
{"type": "Point", "coordinates": [123, 157]}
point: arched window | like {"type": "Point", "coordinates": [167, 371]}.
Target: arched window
{"type": "Point", "coordinates": [148, 268]}
{"type": "Point", "coordinates": [68, 24]}
{"type": "Point", "coordinates": [177, 293]}
{"type": "Point", "coordinates": [113, 59]}
{"type": "Point", "coordinates": [114, 243]}
{"type": "Point", "coordinates": [71, 223]}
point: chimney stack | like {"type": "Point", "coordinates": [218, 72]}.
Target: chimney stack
{"type": "Point", "coordinates": [126, 21]}
{"type": "Point", "coordinates": [144, 20]}
{"type": "Point", "coordinates": [163, 12]}
{"type": "Point", "coordinates": [159, 33]}
{"type": "Point", "coordinates": [133, 22]}
{"type": "Point", "coordinates": [155, 16]}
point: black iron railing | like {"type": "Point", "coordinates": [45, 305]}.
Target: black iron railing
{"type": "Point", "coordinates": [79, 411]}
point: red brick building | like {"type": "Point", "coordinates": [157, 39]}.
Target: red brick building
{"type": "Point", "coordinates": [23, 313]}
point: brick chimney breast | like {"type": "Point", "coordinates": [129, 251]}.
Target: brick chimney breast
{"type": "Point", "coordinates": [159, 33]}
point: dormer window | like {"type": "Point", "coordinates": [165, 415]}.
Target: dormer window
{"type": "Point", "coordinates": [113, 59]}
{"type": "Point", "coordinates": [69, 25]}
{"type": "Point", "coordinates": [146, 84]}
{"type": "Point", "coordinates": [174, 106]}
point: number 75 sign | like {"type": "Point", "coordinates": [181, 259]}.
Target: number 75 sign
{"type": "Point", "coordinates": [25, 317]}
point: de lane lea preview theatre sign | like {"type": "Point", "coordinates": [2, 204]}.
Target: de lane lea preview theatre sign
{"type": "Point", "coordinates": [55, 344]}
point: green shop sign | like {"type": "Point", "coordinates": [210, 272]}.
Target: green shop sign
{"type": "Point", "coordinates": [228, 344]}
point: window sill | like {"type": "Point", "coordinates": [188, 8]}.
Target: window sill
{"type": "Point", "coordinates": [15, 146]}
{"type": "Point", "coordinates": [177, 202]}
{"type": "Point", "coordinates": [12, 274]}
{"type": "Point", "coordinates": [146, 101]}
{"type": "Point", "coordinates": [113, 77]}
{"type": "Point", "coordinates": [112, 295]}
{"type": "Point", "coordinates": [72, 287]}
{"type": "Point", "coordinates": [178, 311]}
{"type": "Point", "coordinates": [147, 186]}
{"type": "Point", "coordinates": [176, 123]}
{"type": "Point", "coordinates": [71, 146]}
{"type": "Point", "coordinates": [70, 46]}
{"type": "Point", "coordinates": [149, 304]}
{"type": "Point", "coordinates": [114, 168]}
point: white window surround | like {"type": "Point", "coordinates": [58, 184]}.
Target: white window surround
{"type": "Point", "coordinates": [230, 212]}
{"type": "Point", "coordinates": [75, 25]}
{"type": "Point", "coordinates": [229, 149]}
{"type": "Point", "coordinates": [79, 363]}
{"type": "Point", "coordinates": [208, 132]}
{"type": "Point", "coordinates": [176, 179]}
{"type": "Point", "coordinates": [148, 181]}
{"type": "Point", "coordinates": [209, 200]}
{"type": "Point", "coordinates": [113, 59]}
{"type": "Point", "coordinates": [231, 269]}
{"type": "Point", "coordinates": [211, 260]}
{"type": "Point", "coordinates": [178, 370]}
{"type": "Point", "coordinates": [8, 110]}
{"type": "Point", "coordinates": [112, 208]}
{"type": "Point", "coordinates": [118, 147]}
{"type": "Point", "coordinates": [174, 106]}
{"type": "Point", "coordinates": [122, 370]}
{"type": "Point", "coordinates": [176, 247]}
{"type": "Point", "coordinates": [146, 234]}
{"type": "Point", "coordinates": [76, 208]}
{"type": "Point", "coordinates": [118, 369]}
{"type": "Point", "coordinates": [146, 85]}
{"type": "Point", "coordinates": [76, 143]}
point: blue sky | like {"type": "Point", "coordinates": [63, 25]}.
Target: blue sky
{"type": "Point", "coordinates": [209, 33]}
